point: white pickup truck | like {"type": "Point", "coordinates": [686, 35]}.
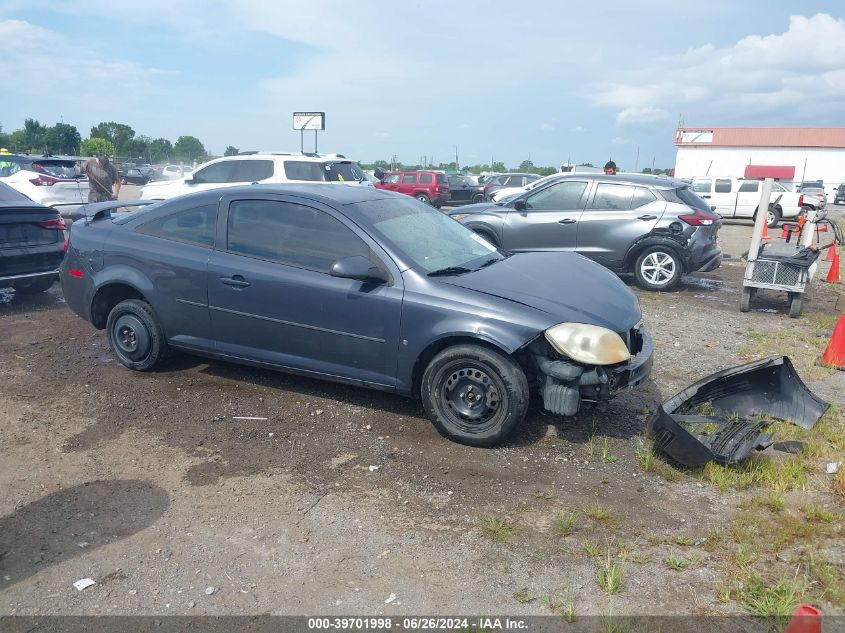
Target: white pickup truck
{"type": "Point", "coordinates": [738, 198]}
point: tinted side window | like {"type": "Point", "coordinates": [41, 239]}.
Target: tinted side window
{"type": "Point", "coordinates": [218, 172]}
{"type": "Point", "coordinates": [455, 182]}
{"type": "Point", "coordinates": [409, 179]}
{"type": "Point", "coordinates": [612, 197]}
{"type": "Point", "coordinates": [723, 185]}
{"type": "Point", "coordinates": [441, 178]}
{"type": "Point", "coordinates": [563, 195]}
{"type": "Point", "coordinates": [194, 226]}
{"type": "Point", "coordinates": [749, 187]}
{"type": "Point", "coordinates": [301, 170]}
{"type": "Point", "coordinates": [290, 234]}
{"type": "Point", "coordinates": [426, 179]}
{"type": "Point", "coordinates": [530, 179]}
{"type": "Point", "coordinates": [701, 186]}
{"type": "Point", "coordinates": [392, 178]}
{"type": "Point", "coordinates": [642, 196]}
{"type": "Point", "coordinates": [253, 170]}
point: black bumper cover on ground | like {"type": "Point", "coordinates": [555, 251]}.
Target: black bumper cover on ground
{"type": "Point", "coordinates": [723, 416]}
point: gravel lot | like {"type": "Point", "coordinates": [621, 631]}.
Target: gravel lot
{"type": "Point", "coordinates": [148, 485]}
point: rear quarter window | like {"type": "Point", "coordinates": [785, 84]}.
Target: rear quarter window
{"type": "Point", "coordinates": [301, 170]}
{"type": "Point", "coordinates": [426, 179]}
{"type": "Point", "coordinates": [193, 226]}
{"type": "Point", "coordinates": [441, 179]}
{"type": "Point", "coordinates": [685, 195]}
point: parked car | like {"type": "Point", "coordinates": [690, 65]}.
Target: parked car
{"type": "Point", "coordinates": [739, 198]}
{"type": "Point", "coordinates": [494, 183]}
{"type": "Point", "coordinates": [655, 227]}
{"type": "Point", "coordinates": [463, 191]}
{"type": "Point", "coordinates": [508, 192]}
{"type": "Point", "coordinates": [134, 176]}
{"type": "Point", "coordinates": [813, 195]}
{"type": "Point", "coordinates": [430, 187]}
{"type": "Point", "coordinates": [263, 168]}
{"type": "Point", "coordinates": [363, 286]}
{"type": "Point", "coordinates": [48, 180]}
{"type": "Point", "coordinates": [839, 194]}
{"type": "Point", "coordinates": [32, 242]}
{"type": "Point", "coordinates": [173, 172]}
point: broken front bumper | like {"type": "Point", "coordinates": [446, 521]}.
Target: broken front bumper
{"type": "Point", "coordinates": [564, 384]}
{"type": "Point", "coordinates": [723, 417]}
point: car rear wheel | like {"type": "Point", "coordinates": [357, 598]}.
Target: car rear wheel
{"type": "Point", "coordinates": [772, 217]}
{"type": "Point", "coordinates": [34, 287]}
{"type": "Point", "coordinates": [479, 197]}
{"type": "Point", "coordinates": [474, 395]}
{"type": "Point", "coordinates": [658, 268]}
{"type": "Point", "coordinates": [135, 336]}
{"type": "Point", "coordinates": [423, 198]}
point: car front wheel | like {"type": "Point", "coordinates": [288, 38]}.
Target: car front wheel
{"type": "Point", "coordinates": [135, 336]}
{"type": "Point", "coordinates": [658, 268]}
{"type": "Point", "coordinates": [474, 395]}
{"type": "Point", "coordinates": [423, 198]}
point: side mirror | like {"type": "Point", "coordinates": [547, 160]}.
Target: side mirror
{"type": "Point", "coordinates": [713, 208]}
{"type": "Point", "coordinates": [190, 181]}
{"type": "Point", "coordinates": [358, 267]}
{"type": "Point", "coordinates": [519, 205]}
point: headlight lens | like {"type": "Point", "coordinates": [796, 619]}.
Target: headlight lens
{"type": "Point", "coordinates": [589, 344]}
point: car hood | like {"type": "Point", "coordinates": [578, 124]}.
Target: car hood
{"type": "Point", "coordinates": [481, 207]}
{"type": "Point", "coordinates": [567, 286]}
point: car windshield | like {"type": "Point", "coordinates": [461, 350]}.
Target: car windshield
{"type": "Point", "coordinates": [428, 239]}
{"type": "Point", "coordinates": [503, 200]}
{"type": "Point", "coordinates": [346, 171]}
{"type": "Point", "coordinates": [57, 168]}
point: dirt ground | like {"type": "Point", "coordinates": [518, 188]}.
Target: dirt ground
{"type": "Point", "coordinates": [346, 501]}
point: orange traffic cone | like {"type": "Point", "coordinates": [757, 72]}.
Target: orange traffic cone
{"type": "Point", "coordinates": [833, 273]}
{"type": "Point", "coordinates": [805, 619]}
{"type": "Point", "coordinates": [834, 355]}
{"type": "Point", "coordinates": [765, 232]}
{"type": "Point", "coordinates": [830, 251]}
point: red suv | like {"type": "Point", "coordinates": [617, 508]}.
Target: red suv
{"type": "Point", "coordinates": [430, 187]}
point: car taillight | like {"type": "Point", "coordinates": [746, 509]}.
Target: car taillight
{"type": "Point", "coordinates": [57, 224]}
{"type": "Point", "coordinates": [75, 272]}
{"type": "Point", "coordinates": [801, 200]}
{"type": "Point", "coordinates": [698, 218]}
{"type": "Point", "coordinates": [44, 181]}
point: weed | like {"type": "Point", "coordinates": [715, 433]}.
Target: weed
{"type": "Point", "coordinates": [743, 556]}
{"type": "Point", "coordinates": [522, 596]}
{"type": "Point", "coordinates": [678, 564]}
{"type": "Point", "coordinates": [591, 548]}
{"type": "Point", "coordinates": [774, 501]}
{"type": "Point", "coordinates": [568, 608]}
{"type": "Point", "coordinates": [565, 523]}
{"type": "Point", "coordinates": [817, 513]}
{"type": "Point", "coordinates": [646, 456]}
{"type": "Point", "coordinates": [624, 552]}
{"type": "Point", "coordinates": [828, 577]}
{"type": "Point", "coordinates": [705, 408]}
{"type": "Point", "coordinates": [598, 512]}
{"type": "Point", "coordinates": [543, 494]}
{"type": "Point", "coordinates": [606, 455]}
{"type": "Point", "coordinates": [497, 529]}
{"type": "Point", "coordinates": [682, 539]}
{"type": "Point", "coordinates": [521, 508]}
{"type": "Point", "coordinates": [590, 447]}
{"type": "Point", "coordinates": [837, 486]}
{"type": "Point", "coordinates": [654, 539]}
{"type": "Point", "coordinates": [695, 559]}
{"type": "Point", "coordinates": [641, 558]}
{"type": "Point", "coordinates": [609, 575]}
{"type": "Point", "coordinates": [778, 600]}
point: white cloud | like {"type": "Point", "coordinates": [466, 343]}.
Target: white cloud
{"type": "Point", "coordinates": [580, 129]}
{"type": "Point", "coordinates": [547, 127]}
{"type": "Point", "coordinates": [801, 67]}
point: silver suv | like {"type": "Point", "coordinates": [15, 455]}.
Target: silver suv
{"type": "Point", "coordinates": [656, 228]}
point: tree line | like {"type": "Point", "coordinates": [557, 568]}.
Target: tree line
{"type": "Point", "coordinates": [116, 139]}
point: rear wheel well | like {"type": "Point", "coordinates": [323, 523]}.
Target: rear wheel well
{"type": "Point", "coordinates": [438, 346]}
{"type": "Point", "coordinates": [108, 297]}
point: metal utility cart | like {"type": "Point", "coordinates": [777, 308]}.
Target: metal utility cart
{"type": "Point", "coordinates": [785, 267]}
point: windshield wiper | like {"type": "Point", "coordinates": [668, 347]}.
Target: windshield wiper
{"type": "Point", "coordinates": [490, 261]}
{"type": "Point", "coordinates": [450, 270]}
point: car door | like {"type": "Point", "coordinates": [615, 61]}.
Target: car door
{"type": "Point", "coordinates": [549, 219]}
{"type": "Point", "coordinates": [461, 192]}
{"type": "Point", "coordinates": [408, 183]}
{"type": "Point", "coordinates": [212, 176]}
{"type": "Point", "coordinates": [724, 197]}
{"type": "Point", "coordinates": [747, 198]}
{"type": "Point", "coordinates": [272, 299]}
{"type": "Point", "coordinates": [616, 217]}
{"type": "Point", "coordinates": [391, 182]}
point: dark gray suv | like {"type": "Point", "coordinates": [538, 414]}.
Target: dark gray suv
{"type": "Point", "coordinates": [656, 228]}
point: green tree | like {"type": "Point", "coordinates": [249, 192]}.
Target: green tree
{"type": "Point", "coordinates": [647, 170]}
{"type": "Point", "coordinates": [526, 165]}
{"type": "Point", "coordinates": [189, 148]}
{"type": "Point", "coordinates": [34, 136]}
{"type": "Point", "coordinates": [118, 133]}
{"type": "Point", "coordinates": [93, 146]}
{"type": "Point", "coordinates": [63, 138]}
{"type": "Point", "coordinates": [498, 166]}
{"type": "Point", "coordinates": [16, 140]}
{"type": "Point", "coordinates": [160, 149]}
{"type": "Point", "coordinates": [231, 150]}
{"type": "Point", "coordinates": [139, 147]}
{"type": "Point", "coordinates": [586, 165]}
{"type": "Point", "coordinates": [5, 139]}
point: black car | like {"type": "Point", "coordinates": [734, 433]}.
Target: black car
{"type": "Point", "coordinates": [464, 191]}
{"type": "Point", "coordinates": [839, 194]}
{"type": "Point", "coordinates": [134, 176]}
{"type": "Point", "coordinates": [32, 242]}
{"type": "Point", "coordinates": [363, 286]}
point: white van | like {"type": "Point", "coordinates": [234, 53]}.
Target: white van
{"type": "Point", "coordinates": [738, 198]}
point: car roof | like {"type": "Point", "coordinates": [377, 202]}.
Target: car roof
{"type": "Point", "coordinates": [645, 180]}
{"type": "Point", "coordinates": [325, 193]}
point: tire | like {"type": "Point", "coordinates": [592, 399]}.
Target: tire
{"type": "Point", "coordinates": [123, 181]}
{"type": "Point", "coordinates": [34, 287]}
{"type": "Point", "coordinates": [479, 197]}
{"type": "Point", "coordinates": [135, 336]}
{"type": "Point", "coordinates": [773, 216]}
{"type": "Point", "coordinates": [745, 302]}
{"type": "Point", "coordinates": [423, 198]}
{"type": "Point", "coordinates": [473, 395]}
{"type": "Point", "coordinates": [796, 299]}
{"type": "Point", "coordinates": [658, 268]}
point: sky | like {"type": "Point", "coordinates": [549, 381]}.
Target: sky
{"type": "Point", "coordinates": [550, 81]}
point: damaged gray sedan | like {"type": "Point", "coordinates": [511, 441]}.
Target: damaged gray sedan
{"type": "Point", "coordinates": [362, 286]}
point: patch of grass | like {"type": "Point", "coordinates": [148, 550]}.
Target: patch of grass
{"type": "Point", "coordinates": [624, 552]}
{"type": "Point", "coordinates": [743, 556]}
{"type": "Point", "coordinates": [497, 529]}
{"type": "Point", "coordinates": [705, 408]}
{"type": "Point", "coordinates": [543, 494]}
{"type": "Point", "coordinates": [837, 486]}
{"type": "Point", "coordinates": [641, 558]}
{"type": "Point", "coordinates": [646, 456]}
{"type": "Point", "coordinates": [592, 548]}
{"type": "Point", "coordinates": [828, 577]}
{"type": "Point", "coordinates": [565, 523]}
{"type": "Point", "coordinates": [590, 447]}
{"type": "Point", "coordinates": [609, 575]}
{"type": "Point", "coordinates": [779, 475]}
{"type": "Point", "coordinates": [678, 564]}
{"type": "Point", "coordinates": [684, 540]}
{"type": "Point", "coordinates": [778, 600]}
{"type": "Point", "coordinates": [815, 512]}
{"type": "Point", "coordinates": [654, 539]}
{"type": "Point", "coordinates": [606, 455]}
{"type": "Point", "coordinates": [568, 608]}
{"type": "Point", "coordinates": [522, 596]}
{"type": "Point", "coordinates": [774, 501]}
{"type": "Point", "coordinates": [598, 512]}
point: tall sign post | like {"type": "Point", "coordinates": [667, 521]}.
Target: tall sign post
{"type": "Point", "coordinates": [308, 121]}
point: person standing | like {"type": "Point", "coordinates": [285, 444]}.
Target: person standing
{"type": "Point", "coordinates": [103, 179]}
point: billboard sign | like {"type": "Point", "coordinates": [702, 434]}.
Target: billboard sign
{"type": "Point", "coordinates": [309, 120]}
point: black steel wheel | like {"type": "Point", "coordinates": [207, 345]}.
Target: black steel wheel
{"type": "Point", "coordinates": [135, 336]}
{"type": "Point", "coordinates": [474, 395]}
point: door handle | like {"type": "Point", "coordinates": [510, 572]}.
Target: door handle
{"type": "Point", "coordinates": [236, 281]}
{"type": "Point", "coordinates": [705, 195]}
{"type": "Point", "coordinates": [646, 217]}
{"type": "Point", "coordinates": [566, 221]}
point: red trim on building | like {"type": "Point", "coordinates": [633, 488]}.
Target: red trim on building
{"type": "Point", "coordinates": [778, 172]}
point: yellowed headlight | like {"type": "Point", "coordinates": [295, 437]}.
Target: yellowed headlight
{"type": "Point", "coordinates": [589, 344]}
